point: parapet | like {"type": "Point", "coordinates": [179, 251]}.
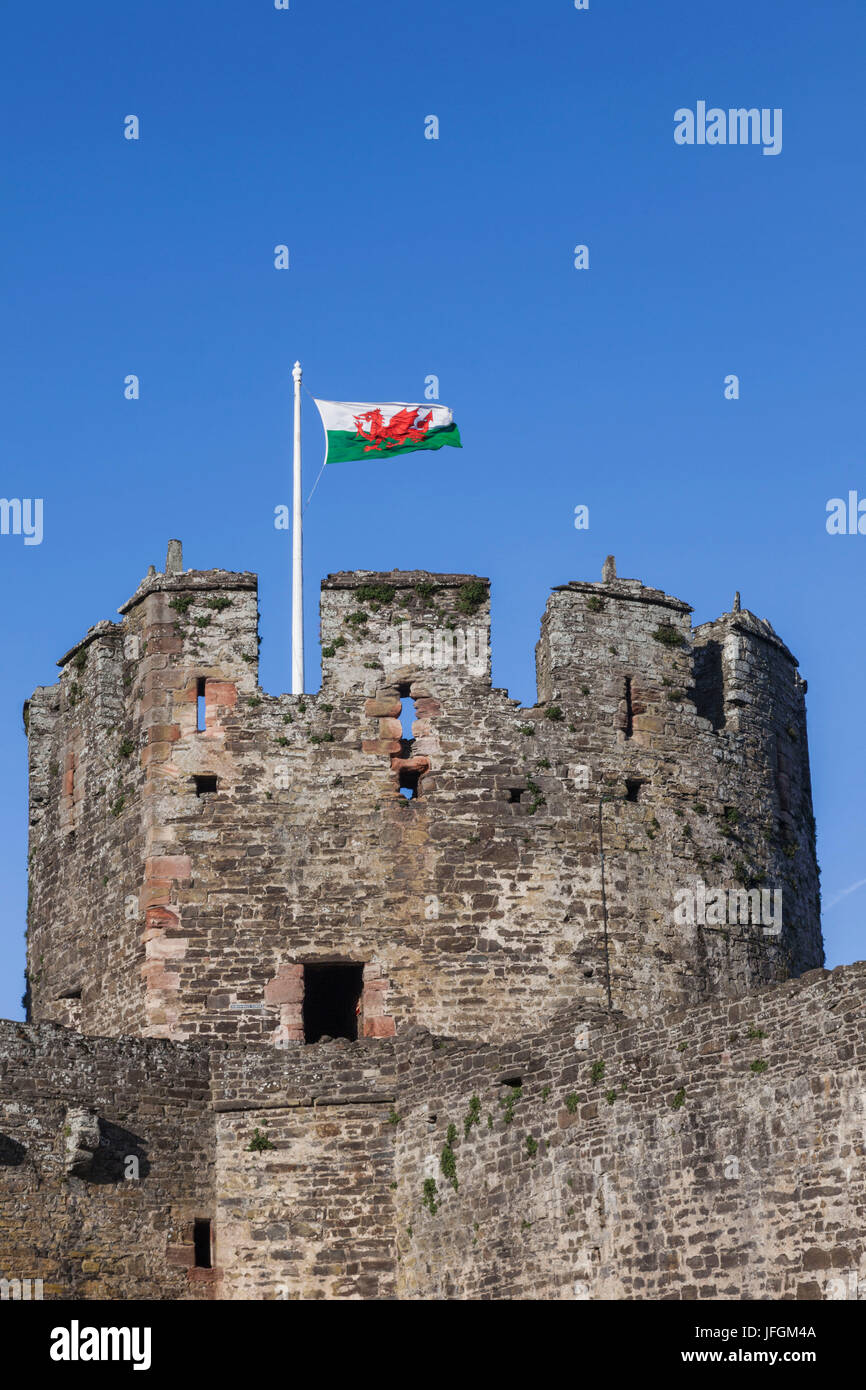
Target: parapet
{"type": "Point", "coordinates": [207, 859]}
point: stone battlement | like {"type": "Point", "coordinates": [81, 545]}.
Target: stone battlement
{"type": "Point", "coordinates": [404, 990]}
{"type": "Point", "coordinates": [202, 850]}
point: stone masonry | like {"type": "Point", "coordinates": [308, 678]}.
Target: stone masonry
{"type": "Point", "coordinates": [538, 864]}
{"type": "Point", "coordinates": [551, 954]}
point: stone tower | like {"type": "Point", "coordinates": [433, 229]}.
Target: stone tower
{"type": "Point", "coordinates": [576, 916]}
{"type": "Point", "coordinates": [212, 862]}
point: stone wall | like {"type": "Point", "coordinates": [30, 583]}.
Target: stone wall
{"type": "Point", "coordinates": [715, 1153]}
{"type": "Point", "coordinates": [309, 1214]}
{"type": "Point", "coordinates": [73, 1112]}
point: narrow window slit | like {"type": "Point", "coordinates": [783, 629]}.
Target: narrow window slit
{"type": "Point", "coordinates": [201, 1238]}
{"type": "Point", "coordinates": [205, 784]}
{"type": "Point", "coordinates": [201, 715]}
{"type": "Point", "coordinates": [628, 708]}
{"type": "Point", "coordinates": [407, 717]}
{"type": "Point", "coordinates": [632, 788]}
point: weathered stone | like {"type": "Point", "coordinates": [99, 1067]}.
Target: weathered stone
{"type": "Point", "coordinates": [521, 903]}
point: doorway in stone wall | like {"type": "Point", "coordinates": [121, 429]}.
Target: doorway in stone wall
{"type": "Point", "coordinates": [332, 992]}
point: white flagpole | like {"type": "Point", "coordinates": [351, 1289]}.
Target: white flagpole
{"type": "Point", "coordinates": [297, 551]}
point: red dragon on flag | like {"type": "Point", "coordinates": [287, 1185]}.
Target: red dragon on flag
{"type": "Point", "coordinates": [402, 428]}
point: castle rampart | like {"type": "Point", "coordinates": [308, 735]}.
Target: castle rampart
{"type": "Point", "coordinates": [200, 849]}
{"type": "Point", "coordinates": [403, 990]}
{"type": "Point", "coordinates": [709, 1153]}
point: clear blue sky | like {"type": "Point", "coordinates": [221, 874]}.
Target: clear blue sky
{"type": "Point", "coordinates": [454, 257]}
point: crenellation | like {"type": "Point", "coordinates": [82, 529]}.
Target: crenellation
{"type": "Point", "coordinates": [459, 896]}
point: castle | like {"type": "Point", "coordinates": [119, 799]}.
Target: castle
{"type": "Point", "coordinates": [394, 990]}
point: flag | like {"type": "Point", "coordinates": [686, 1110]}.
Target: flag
{"type": "Point", "coordinates": [358, 430]}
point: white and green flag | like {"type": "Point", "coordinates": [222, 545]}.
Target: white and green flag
{"type": "Point", "coordinates": [358, 430]}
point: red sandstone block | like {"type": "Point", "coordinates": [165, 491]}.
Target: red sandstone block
{"type": "Point", "coordinates": [163, 733]}
{"type": "Point", "coordinates": [158, 918]}
{"type": "Point", "coordinates": [426, 709]}
{"type": "Point", "coordinates": [169, 866]}
{"type": "Point", "coordinates": [390, 728]}
{"type": "Point", "coordinates": [380, 745]}
{"type": "Point", "coordinates": [287, 986]}
{"type": "Point", "coordinates": [410, 764]}
{"type": "Point", "coordinates": [182, 1255]}
{"type": "Point", "coordinates": [221, 693]}
{"type": "Point", "coordinates": [379, 1028]}
{"type": "Point", "coordinates": [155, 753]}
{"type": "Point", "coordinates": [156, 891]}
{"type": "Point", "coordinates": [382, 709]}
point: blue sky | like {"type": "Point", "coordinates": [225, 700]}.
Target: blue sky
{"type": "Point", "coordinates": [455, 257]}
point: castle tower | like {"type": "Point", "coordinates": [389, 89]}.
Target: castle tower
{"type": "Point", "coordinates": [121, 753]}
{"type": "Point", "coordinates": [409, 845]}
{"type": "Point", "coordinates": [696, 743]}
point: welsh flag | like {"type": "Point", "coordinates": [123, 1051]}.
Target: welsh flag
{"type": "Point", "coordinates": [358, 430]}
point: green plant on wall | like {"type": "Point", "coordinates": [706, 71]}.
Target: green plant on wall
{"type": "Point", "coordinates": [431, 1192]}
{"type": "Point", "coordinates": [471, 597]}
{"type": "Point", "coordinates": [508, 1102]}
{"type": "Point", "coordinates": [472, 1117]}
{"type": "Point", "coordinates": [448, 1162]}
{"type": "Point", "coordinates": [375, 594]}
{"type": "Point", "coordinates": [259, 1142]}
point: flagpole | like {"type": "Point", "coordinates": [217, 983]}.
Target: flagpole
{"type": "Point", "coordinates": [297, 550]}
